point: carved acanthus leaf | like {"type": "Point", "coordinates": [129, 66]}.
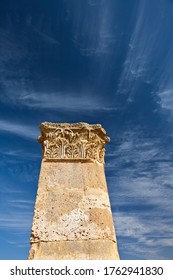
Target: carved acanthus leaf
{"type": "Point", "coordinates": [73, 141]}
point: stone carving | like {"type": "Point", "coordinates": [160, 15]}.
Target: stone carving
{"type": "Point", "coordinates": [73, 141]}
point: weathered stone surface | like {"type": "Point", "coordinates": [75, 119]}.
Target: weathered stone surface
{"type": "Point", "coordinates": [72, 216]}
{"type": "Point", "coordinates": [75, 250]}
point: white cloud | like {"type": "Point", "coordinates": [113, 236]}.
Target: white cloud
{"type": "Point", "coordinates": [145, 62]}
{"type": "Point", "coordinates": [166, 97]}
{"type": "Point", "coordinates": [16, 214]}
{"type": "Point", "coordinates": [143, 235]}
{"type": "Point", "coordinates": [19, 129]}
{"type": "Point", "coordinates": [18, 153]}
{"type": "Point", "coordinates": [59, 101]}
{"type": "Point", "coordinates": [93, 32]}
{"type": "Point", "coordinates": [140, 46]}
{"type": "Point", "coordinates": [14, 72]}
{"type": "Point", "coordinates": [141, 194]}
{"type": "Point", "coordinates": [21, 204]}
{"type": "Point", "coordinates": [19, 222]}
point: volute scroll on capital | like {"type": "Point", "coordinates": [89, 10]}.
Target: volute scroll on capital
{"type": "Point", "coordinates": [79, 141]}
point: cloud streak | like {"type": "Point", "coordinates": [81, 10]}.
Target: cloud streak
{"type": "Point", "coordinates": [18, 153]}
{"type": "Point", "coordinates": [56, 101]}
{"type": "Point", "coordinates": [18, 129]}
{"type": "Point", "coordinates": [143, 234]}
{"type": "Point", "coordinates": [140, 180]}
{"type": "Point", "coordinates": [19, 222]}
{"type": "Point", "coordinates": [145, 63]}
{"type": "Point", "coordinates": [100, 37]}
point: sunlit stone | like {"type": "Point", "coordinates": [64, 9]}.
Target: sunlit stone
{"type": "Point", "coordinates": [72, 216]}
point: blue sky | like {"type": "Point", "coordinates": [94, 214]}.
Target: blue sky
{"type": "Point", "coordinates": [96, 61]}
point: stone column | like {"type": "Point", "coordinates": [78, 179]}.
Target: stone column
{"type": "Point", "coordinates": [72, 216]}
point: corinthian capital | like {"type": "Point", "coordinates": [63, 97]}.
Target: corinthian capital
{"type": "Point", "coordinates": [79, 141]}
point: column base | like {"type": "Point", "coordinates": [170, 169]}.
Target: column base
{"type": "Point", "coordinates": [74, 250]}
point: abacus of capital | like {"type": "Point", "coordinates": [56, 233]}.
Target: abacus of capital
{"type": "Point", "coordinates": [72, 216]}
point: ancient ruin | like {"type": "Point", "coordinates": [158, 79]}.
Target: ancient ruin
{"type": "Point", "coordinates": [72, 216]}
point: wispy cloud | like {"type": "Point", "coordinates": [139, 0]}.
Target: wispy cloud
{"type": "Point", "coordinates": [94, 2]}
{"type": "Point", "coordinates": [46, 37]}
{"type": "Point", "coordinates": [19, 222]}
{"type": "Point", "coordinates": [19, 129]}
{"type": "Point", "coordinates": [166, 97]}
{"type": "Point", "coordinates": [18, 153]}
{"type": "Point", "coordinates": [19, 244]}
{"type": "Point", "coordinates": [96, 27]}
{"type": "Point", "coordinates": [141, 192]}
{"type": "Point", "coordinates": [140, 45]}
{"type": "Point", "coordinates": [145, 63]}
{"type": "Point", "coordinates": [17, 213]}
{"type": "Point", "coordinates": [22, 204]}
{"type": "Point", "coordinates": [14, 74]}
{"type": "Point", "coordinates": [143, 234]}
{"type": "Point", "coordinates": [56, 101]}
